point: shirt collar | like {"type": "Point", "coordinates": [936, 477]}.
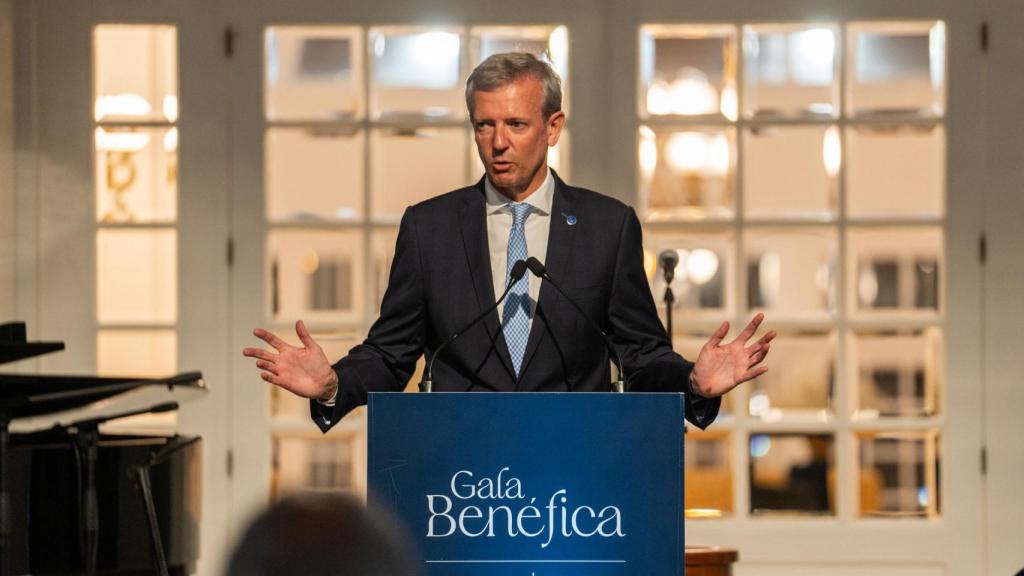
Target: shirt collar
{"type": "Point", "coordinates": [541, 199]}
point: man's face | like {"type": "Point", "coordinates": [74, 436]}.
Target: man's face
{"type": "Point", "coordinates": [512, 136]}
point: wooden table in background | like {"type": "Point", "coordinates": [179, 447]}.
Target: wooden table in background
{"type": "Point", "coordinates": [710, 561]}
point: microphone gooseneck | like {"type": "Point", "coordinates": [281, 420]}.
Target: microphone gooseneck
{"type": "Point", "coordinates": [541, 272]}
{"type": "Point", "coordinates": [427, 383]}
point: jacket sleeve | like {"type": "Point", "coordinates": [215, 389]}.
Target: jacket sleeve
{"type": "Point", "coordinates": [385, 361]}
{"type": "Point", "coordinates": [650, 364]}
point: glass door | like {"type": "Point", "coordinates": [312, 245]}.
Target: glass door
{"type": "Point", "coordinates": [125, 203]}
{"type": "Point", "coordinates": [801, 163]}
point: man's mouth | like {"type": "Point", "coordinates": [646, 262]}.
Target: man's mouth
{"type": "Point", "coordinates": [502, 166]}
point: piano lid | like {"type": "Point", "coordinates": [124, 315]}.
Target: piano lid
{"type": "Point", "coordinates": [36, 401]}
{"type": "Point", "coordinates": [14, 345]}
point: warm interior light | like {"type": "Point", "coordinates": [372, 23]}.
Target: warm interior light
{"type": "Point", "coordinates": [691, 93]}
{"type": "Point", "coordinates": [703, 513]}
{"type": "Point", "coordinates": [831, 152]}
{"type": "Point", "coordinates": [719, 156]}
{"type": "Point", "coordinates": [701, 266]}
{"type": "Point", "coordinates": [171, 140]}
{"type": "Point", "coordinates": [687, 151]}
{"type": "Point", "coordinates": [729, 104]}
{"type": "Point", "coordinates": [121, 105]}
{"type": "Point", "coordinates": [311, 262]}
{"type": "Point", "coordinates": [659, 102]}
{"type": "Point", "coordinates": [759, 403]}
{"type": "Point", "coordinates": [650, 264]}
{"type": "Point", "coordinates": [648, 152]}
{"type": "Point", "coordinates": [118, 141]}
{"type": "Point", "coordinates": [436, 50]}
{"type": "Point", "coordinates": [816, 45]}
{"type": "Point", "coordinates": [937, 56]}
{"type": "Point", "coordinates": [558, 48]}
{"type": "Point", "coordinates": [171, 108]}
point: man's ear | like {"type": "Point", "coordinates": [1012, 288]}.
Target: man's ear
{"type": "Point", "coordinates": [554, 125]}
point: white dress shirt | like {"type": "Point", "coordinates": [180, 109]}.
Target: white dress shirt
{"type": "Point", "coordinates": [499, 226]}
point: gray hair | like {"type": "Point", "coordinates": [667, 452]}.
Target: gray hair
{"type": "Point", "coordinates": [500, 70]}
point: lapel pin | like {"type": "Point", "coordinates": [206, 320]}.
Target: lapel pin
{"type": "Point", "coordinates": [570, 219]}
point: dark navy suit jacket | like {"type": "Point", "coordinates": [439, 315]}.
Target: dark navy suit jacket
{"type": "Point", "coordinates": [441, 279]}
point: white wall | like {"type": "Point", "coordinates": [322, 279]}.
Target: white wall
{"type": "Point", "coordinates": [6, 161]}
{"type": "Point", "coordinates": [1004, 291]}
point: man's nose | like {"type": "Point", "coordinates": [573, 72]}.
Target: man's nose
{"type": "Point", "coordinates": [500, 141]}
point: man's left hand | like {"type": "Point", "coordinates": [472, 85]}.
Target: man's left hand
{"type": "Point", "coordinates": [720, 368]}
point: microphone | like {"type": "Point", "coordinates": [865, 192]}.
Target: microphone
{"type": "Point", "coordinates": [668, 260]}
{"type": "Point", "coordinates": [540, 271]}
{"type": "Point", "coordinates": [427, 383]}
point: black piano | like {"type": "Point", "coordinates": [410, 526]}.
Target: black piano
{"type": "Point", "coordinates": [84, 502]}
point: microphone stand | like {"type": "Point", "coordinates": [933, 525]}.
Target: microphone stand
{"type": "Point", "coordinates": [668, 260]}
{"type": "Point", "coordinates": [146, 488]}
{"type": "Point", "coordinates": [86, 445]}
{"type": "Point", "coordinates": [427, 382]}
{"type": "Point", "coordinates": [538, 269]}
{"type": "Point", "coordinates": [670, 299]}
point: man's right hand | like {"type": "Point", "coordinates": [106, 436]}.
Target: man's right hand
{"type": "Point", "coordinates": [303, 371]}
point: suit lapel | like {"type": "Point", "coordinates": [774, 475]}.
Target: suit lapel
{"type": "Point", "coordinates": [473, 220]}
{"type": "Point", "coordinates": [560, 244]}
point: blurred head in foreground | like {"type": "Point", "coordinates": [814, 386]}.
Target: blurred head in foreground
{"type": "Point", "coordinates": [322, 535]}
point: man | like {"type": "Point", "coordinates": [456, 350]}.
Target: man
{"type": "Point", "coordinates": [454, 255]}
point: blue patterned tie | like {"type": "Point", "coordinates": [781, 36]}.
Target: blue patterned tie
{"type": "Point", "coordinates": [516, 315]}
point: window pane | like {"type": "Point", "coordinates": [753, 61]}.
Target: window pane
{"type": "Point", "coordinates": [688, 70]}
{"type": "Point", "coordinates": [136, 73]}
{"type": "Point", "coordinates": [143, 353]}
{"type": "Point", "coordinates": [708, 476]}
{"type": "Point", "coordinates": [687, 174]}
{"type": "Point", "coordinates": [314, 174]}
{"type": "Point", "coordinates": [313, 73]}
{"type": "Point", "coordinates": [315, 275]}
{"type": "Point", "coordinates": [702, 280]}
{"type": "Point", "coordinates": [896, 171]}
{"type": "Point", "coordinates": [801, 379]}
{"type": "Point", "coordinates": [136, 174]}
{"type": "Point", "coordinates": [896, 68]}
{"type": "Point", "coordinates": [305, 463]}
{"type": "Point", "coordinates": [791, 271]}
{"type": "Point", "coordinates": [136, 274]}
{"type": "Point", "coordinates": [899, 373]}
{"type": "Point", "coordinates": [792, 474]}
{"type": "Point", "coordinates": [550, 43]}
{"type": "Point", "coordinates": [412, 165]}
{"type": "Point", "coordinates": [287, 406]}
{"type": "Point", "coordinates": [899, 474]}
{"type": "Point", "coordinates": [416, 73]}
{"type": "Point", "coordinates": [791, 172]}
{"type": "Point", "coordinates": [789, 70]}
{"type": "Point", "coordinates": [896, 270]}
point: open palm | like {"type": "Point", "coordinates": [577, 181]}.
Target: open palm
{"type": "Point", "coordinates": [304, 370]}
{"type": "Point", "coordinates": [720, 368]}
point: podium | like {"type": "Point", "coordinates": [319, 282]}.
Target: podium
{"type": "Point", "coordinates": [532, 484]}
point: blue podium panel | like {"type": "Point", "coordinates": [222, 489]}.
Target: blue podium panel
{"type": "Point", "coordinates": [533, 484]}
